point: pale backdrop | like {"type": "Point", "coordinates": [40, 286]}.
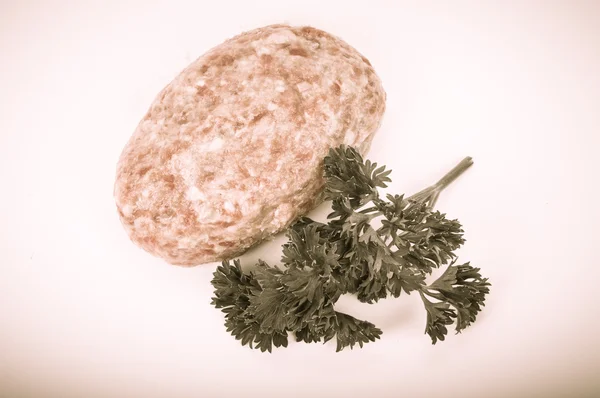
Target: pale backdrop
{"type": "Point", "coordinates": [515, 84]}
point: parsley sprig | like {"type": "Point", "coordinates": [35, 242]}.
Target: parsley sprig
{"type": "Point", "coordinates": [370, 247]}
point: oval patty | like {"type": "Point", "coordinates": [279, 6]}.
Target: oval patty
{"type": "Point", "coordinates": [230, 152]}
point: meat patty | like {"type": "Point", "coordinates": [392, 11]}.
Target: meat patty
{"type": "Point", "coordinates": [230, 152]}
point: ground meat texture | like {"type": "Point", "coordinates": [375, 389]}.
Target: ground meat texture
{"type": "Point", "coordinates": [230, 152]}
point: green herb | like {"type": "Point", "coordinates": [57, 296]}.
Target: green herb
{"type": "Point", "coordinates": [348, 255]}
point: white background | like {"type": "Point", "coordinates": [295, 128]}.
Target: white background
{"type": "Point", "coordinates": [85, 313]}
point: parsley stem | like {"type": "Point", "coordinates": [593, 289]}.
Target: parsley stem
{"type": "Point", "coordinates": [430, 194]}
{"type": "Point", "coordinates": [454, 173]}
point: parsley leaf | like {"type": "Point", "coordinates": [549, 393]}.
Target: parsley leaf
{"type": "Point", "coordinates": [349, 255]}
{"type": "Point", "coordinates": [463, 288]}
